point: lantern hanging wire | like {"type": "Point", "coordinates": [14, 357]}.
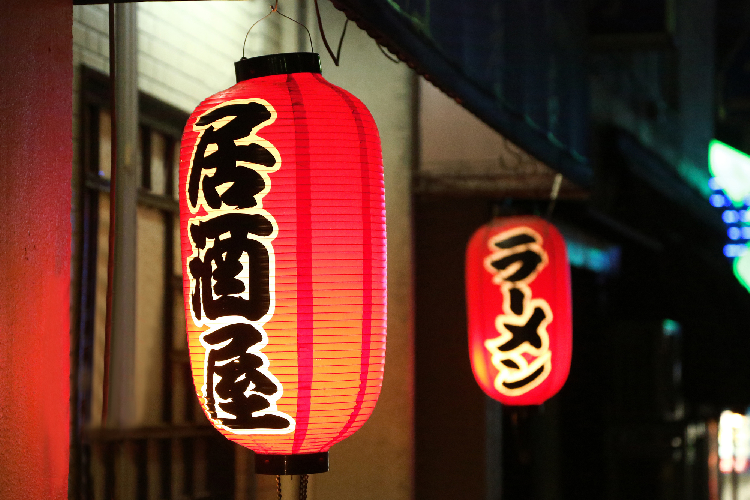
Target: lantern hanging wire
{"type": "Point", "coordinates": [337, 57]}
{"type": "Point", "coordinates": [387, 56]}
{"type": "Point", "coordinates": [553, 195]}
{"type": "Point", "coordinates": [303, 487]}
{"type": "Point", "coordinates": [275, 9]}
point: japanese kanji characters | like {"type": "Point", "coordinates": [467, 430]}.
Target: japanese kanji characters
{"type": "Point", "coordinates": [224, 243]}
{"type": "Point", "coordinates": [283, 253]}
{"type": "Point", "coordinates": [229, 152]}
{"type": "Point", "coordinates": [232, 267]}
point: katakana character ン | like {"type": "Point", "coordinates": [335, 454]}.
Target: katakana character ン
{"type": "Point", "coordinates": [225, 241]}
{"type": "Point", "coordinates": [217, 156]}
{"type": "Point", "coordinates": [240, 393]}
{"type": "Point", "coordinates": [527, 380]}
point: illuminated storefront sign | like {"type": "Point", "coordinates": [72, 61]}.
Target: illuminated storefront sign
{"type": "Point", "coordinates": [519, 309]}
{"type": "Point", "coordinates": [730, 186]}
{"type": "Point", "coordinates": [734, 442]}
{"type": "Point", "coordinates": [731, 169]}
{"type": "Point", "coordinates": [282, 218]}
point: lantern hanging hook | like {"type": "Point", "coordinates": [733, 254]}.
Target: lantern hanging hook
{"type": "Point", "coordinates": [275, 8]}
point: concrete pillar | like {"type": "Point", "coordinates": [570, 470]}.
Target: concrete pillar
{"type": "Point", "coordinates": [36, 78]}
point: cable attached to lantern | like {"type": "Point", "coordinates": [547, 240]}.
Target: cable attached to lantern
{"type": "Point", "coordinates": [554, 194]}
{"type": "Point", "coordinates": [337, 57]}
{"type": "Point", "coordinates": [275, 9]}
{"type": "Point", "coordinates": [303, 479]}
{"type": "Point", "coordinates": [303, 487]}
{"type": "Point", "coordinates": [390, 58]}
{"type": "Point", "coordinates": [552, 201]}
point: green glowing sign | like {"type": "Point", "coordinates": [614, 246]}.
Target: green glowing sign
{"type": "Point", "coordinates": [731, 168]}
{"type": "Point", "coordinates": [670, 328]}
{"type": "Point", "coordinates": [742, 269]}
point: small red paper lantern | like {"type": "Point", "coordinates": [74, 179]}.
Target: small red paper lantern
{"type": "Point", "coordinates": [282, 218]}
{"type": "Point", "coordinates": [519, 309]}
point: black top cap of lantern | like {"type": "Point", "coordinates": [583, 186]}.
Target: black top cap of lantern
{"type": "Point", "coordinates": [277, 64]}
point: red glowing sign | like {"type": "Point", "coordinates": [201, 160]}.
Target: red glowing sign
{"type": "Point", "coordinates": [519, 309]}
{"type": "Point", "coordinates": [282, 218]}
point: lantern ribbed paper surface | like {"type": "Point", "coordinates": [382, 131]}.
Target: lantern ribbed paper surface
{"type": "Point", "coordinates": [283, 241]}
{"type": "Point", "coordinates": [519, 309]}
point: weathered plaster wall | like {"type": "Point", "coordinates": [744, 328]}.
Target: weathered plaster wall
{"type": "Point", "coordinates": [377, 461]}
{"type": "Point", "coordinates": [35, 171]}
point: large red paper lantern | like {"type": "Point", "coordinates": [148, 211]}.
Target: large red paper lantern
{"type": "Point", "coordinates": [282, 218]}
{"type": "Point", "coordinates": [519, 309]}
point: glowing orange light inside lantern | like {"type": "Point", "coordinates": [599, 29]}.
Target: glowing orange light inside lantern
{"type": "Point", "coordinates": [519, 309]}
{"type": "Point", "coordinates": [282, 217]}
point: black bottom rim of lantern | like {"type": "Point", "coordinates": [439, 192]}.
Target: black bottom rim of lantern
{"type": "Point", "coordinates": [284, 465]}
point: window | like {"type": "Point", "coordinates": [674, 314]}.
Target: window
{"type": "Point", "coordinates": [174, 452]}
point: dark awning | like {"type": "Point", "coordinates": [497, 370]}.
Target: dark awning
{"type": "Point", "coordinates": [517, 65]}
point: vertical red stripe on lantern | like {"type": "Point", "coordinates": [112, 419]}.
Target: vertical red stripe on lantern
{"type": "Point", "coordinates": [305, 318]}
{"type": "Point", "coordinates": [366, 265]}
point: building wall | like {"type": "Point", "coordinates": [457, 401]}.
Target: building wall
{"type": "Point", "coordinates": [663, 93]}
{"type": "Point", "coordinates": [35, 158]}
{"type": "Point", "coordinates": [186, 52]}
{"type": "Point", "coordinates": [377, 461]}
